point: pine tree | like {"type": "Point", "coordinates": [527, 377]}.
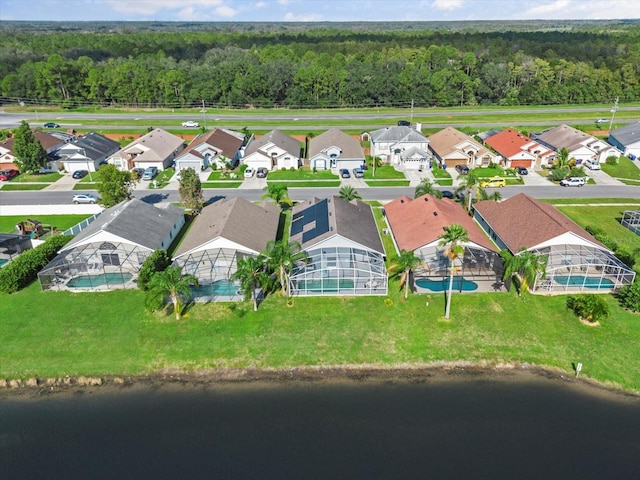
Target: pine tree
{"type": "Point", "coordinates": [30, 155]}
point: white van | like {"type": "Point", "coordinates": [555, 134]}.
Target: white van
{"type": "Point", "coordinates": [592, 164]}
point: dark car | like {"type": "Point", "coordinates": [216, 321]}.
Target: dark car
{"type": "Point", "coordinates": [522, 171]}
{"type": "Point", "coordinates": [462, 169]}
{"type": "Point", "coordinates": [262, 172]}
{"type": "Point", "coordinates": [80, 173]}
{"type": "Point", "coordinates": [458, 196]}
{"type": "Point", "coordinates": [404, 123]}
{"type": "Point", "coordinates": [150, 173]}
{"type": "Point", "coordinates": [51, 125]}
{"type": "Point", "coordinates": [447, 194]}
{"type": "Point", "coordinates": [8, 174]}
{"type": "Point", "coordinates": [344, 173]}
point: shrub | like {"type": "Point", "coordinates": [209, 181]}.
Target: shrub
{"type": "Point", "coordinates": [629, 296]}
{"type": "Point", "coordinates": [590, 307]}
{"type": "Point", "coordinates": [577, 172]}
{"type": "Point", "coordinates": [24, 269]}
{"type": "Point", "coordinates": [158, 261]}
{"type": "Point", "coordinates": [558, 174]}
{"type": "Point", "coordinates": [611, 160]}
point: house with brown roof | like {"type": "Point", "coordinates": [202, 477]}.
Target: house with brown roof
{"type": "Point", "coordinates": [273, 151]}
{"type": "Point", "coordinates": [7, 156]}
{"type": "Point", "coordinates": [335, 150]}
{"type": "Point", "coordinates": [416, 224]}
{"type": "Point", "coordinates": [451, 147]}
{"type": "Point", "coordinates": [518, 150]}
{"type": "Point", "coordinates": [345, 255]}
{"type": "Point", "coordinates": [576, 261]}
{"type": "Point", "coordinates": [216, 148]}
{"type": "Point", "coordinates": [158, 148]}
{"type": "Point", "coordinates": [224, 232]}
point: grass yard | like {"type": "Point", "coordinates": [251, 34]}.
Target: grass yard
{"type": "Point", "coordinates": [442, 177]}
{"type": "Point", "coordinates": [301, 174]}
{"type": "Point", "coordinates": [592, 201]}
{"type": "Point", "coordinates": [86, 186]}
{"type": "Point", "coordinates": [38, 177]}
{"type": "Point", "coordinates": [385, 172]}
{"type": "Point", "coordinates": [59, 222]}
{"type": "Point", "coordinates": [217, 175]}
{"type": "Point", "coordinates": [223, 184]}
{"type": "Point", "coordinates": [24, 186]}
{"type": "Point", "coordinates": [387, 183]}
{"type": "Point", "coordinates": [306, 184]}
{"type": "Point", "coordinates": [625, 169]}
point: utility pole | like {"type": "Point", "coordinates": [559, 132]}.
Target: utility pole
{"type": "Point", "coordinates": [411, 118]}
{"type": "Point", "coordinates": [204, 115]}
{"type": "Point", "coordinates": [614, 109]}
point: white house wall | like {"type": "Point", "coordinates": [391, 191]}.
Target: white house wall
{"type": "Point", "coordinates": [219, 243]}
{"type": "Point", "coordinates": [340, 241]}
{"type": "Point", "coordinates": [100, 237]}
{"type": "Point", "coordinates": [257, 160]}
{"type": "Point", "coordinates": [568, 238]}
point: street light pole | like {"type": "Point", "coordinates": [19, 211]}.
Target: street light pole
{"type": "Point", "coordinates": [614, 109]}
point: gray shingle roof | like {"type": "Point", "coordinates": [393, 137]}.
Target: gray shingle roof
{"type": "Point", "coordinates": [134, 220]}
{"type": "Point", "coordinates": [628, 134]}
{"type": "Point", "coordinates": [287, 143]}
{"type": "Point", "coordinates": [160, 145]}
{"type": "Point", "coordinates": [334, 137]}
{"type": "Point", "coordinates": [562, 136]}
{"type": "Point", "coordinates": [96, 146]}
{"type": "Point", "coordinates": [234, 219]}
{"type": "Point", "coordinates": [397, 134]}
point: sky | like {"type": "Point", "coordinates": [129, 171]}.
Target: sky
{"type": "Point", "coordinates": [315, 10]}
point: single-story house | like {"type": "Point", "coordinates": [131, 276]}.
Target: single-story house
{"type": "Point", "coordinates": [216, 149]}
{"type": "Point", "coordinates": [345, 255]}
{"type": "Point", "coordinates": [109, 252]}
{"type": "Point", "coordinates": [224, 232]}
{"type": "Point", "coordinates": [627, 140]}
{"type": "Point", "coordinates": [415, 226]}
{"type": "Point", "coordinates": [273, 151]}
{"type": "Point", "coordinates": [576, 261]}
{"type": "Point", "coordinates": [390, 143]}
{"type": "Point", "coordinates": [157, 148]}
{"type": "Point", "coordinates": [335, 150]}
{"type": "Point", "coordinates": [87, 152]}
{"type": "Point", "coordinates": [7, 158]}
{"type": "Point", "coordinates": [451, 147]}
{"type": "Point", "coordinates": [581, 145]}
{"type": "Point", "coordinates": [518, 150]}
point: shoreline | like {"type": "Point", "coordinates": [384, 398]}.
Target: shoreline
{"type": "Point", "coordinates": [176, 380]}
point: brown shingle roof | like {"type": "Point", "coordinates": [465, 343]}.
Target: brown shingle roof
{"type": "Point", "coordinates": [47, 141]}
{"type": "Point", "coordinates": [418, 222]}
{"type": "Point", "coordinates": [522, 221]}
{"type": "Point", "coordinates": [444, 142]}
{"type": "Point", "coordinates": [334, 137]}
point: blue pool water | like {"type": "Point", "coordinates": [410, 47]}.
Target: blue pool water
{"type": "Point", "coordinates": [3, 261]}
{"type": "Point", "coordinates": [216, 289]}
{"type": "Point", "coordinates": [440, 285]}
{"type": "Point", "coordinates": [90, 281]}
{"type": "Point", "coordinates": [581, 280]}
{"type": "Point", "coordinates": [327, 285]}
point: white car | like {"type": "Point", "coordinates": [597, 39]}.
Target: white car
{"type": "Point", "coordinates": [85, 198]}
{"type": "Point", "coordinates": [592, 164]}
{"type": "Point", "coordinates": [572, 182]}
{"type": "Point", "coordinates": [190, 124]}
{"type": "Point", "coordinates": [248, 173]}
{"type": "Point", "coordinates": [601, 120]}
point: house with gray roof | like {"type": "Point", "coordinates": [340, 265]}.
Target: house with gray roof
{"type": "Point", "coordinates": [216, 148]}
{"type": "Point", "coordinates": [392, 145]}
{"type": "Point", "coordinates": [224, 232]}
{"type": "Point", "coordinates": [7, 158]}
{"type": "Point", "coordinates": [581, 145]}
{"type": "Point", "coordinates": [335, 150]}
{"type": "Point", "coordinates": [158, 148]}
{"type": "Point", "coordinates": [627, 140]}
{"type": "Point", "coordinates": [345, 255]}
{"type": "Point", "coordinates": [86, 152]}
{"type": "Point", "coordinates": [273, 151]}
{"type": "Point", "coordinates": [109, 252]}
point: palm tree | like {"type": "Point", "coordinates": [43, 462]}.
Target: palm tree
{"type": "Point", "coordinates": [562, 159]}
{"type": "Point", "coordinates": [348, 193]}
{"type": "Point", "coordinates": [278, 193]}
{"type": "Point", "coordinates": [424, 187]}
{"type": "Point", "coordinates": [470, 185]}
{"type": "Point", "coordinates": [452, 238]}
{"type": "Point", "coordinates": [170, 282]}
{"type": "Point", "coordinates": [401, 268]}
{"type": "Point", "coordinates": [281, 257]}
{"type": "Point", "coordinates": [525, 266]}
{"type": "Point", "coordinates": [483, 195]}
{"type": "Point", "coordinates": [251, 273]}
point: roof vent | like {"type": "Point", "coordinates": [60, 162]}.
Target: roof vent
{"type": "Point", "coordinates": [435, 214]}
{"type": "Point", "coordinates": [402, 200]}
{"type": "Point", "coordinates": [426, 199]}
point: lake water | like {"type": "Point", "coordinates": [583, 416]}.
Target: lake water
{"type": "Point", "coordinates": [474, 427]}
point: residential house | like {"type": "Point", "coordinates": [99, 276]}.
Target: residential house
{"type": "Point", "coordinates": [109, 252]}
{"type": "Point", "coordinates": [273, 151]}
{"type": "Point", "coordinates": [415, 226]}
{"type": "Point", "coordinates": [216, 149]}
{"type": "Point", "coordinates": [87, 152]}
{"type": "Point", "coordinates": [7, 157]}
{"type": "Point", "coordinates": [576, 261]}
{"type": "Point", "coordinates": [335, 150]}
{"type": "Point", "coordinates": [451, 147]}
{"type": "Point", "coordinates": [344, 249]}
{"type": "Point", "coordinates": [157, 148]}
{"type": "Point", "coordinates": [627, 140]}
{"type": "Point", "coordinates": [402, 146]}
{"type": "Point", "coordinates": [518, 150]}
{"type": "Point", "coordinates": [581, 145]}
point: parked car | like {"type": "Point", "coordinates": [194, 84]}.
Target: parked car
{"type": "Point", "coordinates": [190, 124]}
{"type": "Point", "coordinates": [462, 169]}
{"type": "Point", "coordinates": [80, 173]}
{"type": "Point", "coordinates": [404, 123]}
{"type": "Point", "coordinates": [522, 171]}
{"type": "Point", "coordinates": [262, 172]}
{"type": "Point", "coordinates": [447, 194]}
{"type": "Point", "coordinates": [601, 120]}
{"type": "Point", "coordinates": [344, 173]}
{"type": "Point", "coordinates": [150, 173]}
{"type": "Point", "coordinates": [85, 198]}
{"type": "Point", "coordinates": [138, 172]}
{"type": "Point", "coordinates": [51, 125]}
{"type": "Point", "coordinates": [572, 182]}
{"type": "Point", "coordinates": [248, 173]}
{"type": "Point", "coordinates": [493, 182]}
{"type": "Point", "coordinates": [358, 172]}
{"type": "Point", "coordinates": [592, 164]}
{"type": "Point", "coordinates": [8, 174]}
{"type": "Point", "coordinates": [458, 196]}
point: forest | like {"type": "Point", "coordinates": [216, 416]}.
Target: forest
{"type": "Point", "coordinates": [329, 65]}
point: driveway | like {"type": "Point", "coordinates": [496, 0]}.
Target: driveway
{"type": "Point", "coordinates": [602, 178]}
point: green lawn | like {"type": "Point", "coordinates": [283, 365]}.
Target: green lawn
{"type": "Point", "coordinates": [223, 184]}
{"type": "Point", "coordinates": [38, 177]}
{"type": "Point", "coordinates": [306, 184]}
{"type": "Point", "coordinates": [86, 186]}
{"type": "Point", "coordinates": [301, 174]}
{"type": "Point", "coordinates": [387, 183]}
{"type": "Point", "coordinates": [591, 201]}
{"type": "Point", "coordinates": [24, 186]}
{"type": "Point", "coordinates": [383, 172]}
{"type": "Point", "coordinates": [59, 222]}
{"type": "Point", "coordinates": [624, 169]}
{"type": "Point", "coordinates": [442, 177]}
{"type": "Point", "coordinates": [218, 175]}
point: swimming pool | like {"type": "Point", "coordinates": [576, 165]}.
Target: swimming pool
{"type": "Point", "coordinates": [583, 281]}
{"type": "Point", "coordinates": [219, 288]}
{"type": "Point", "coordinates": [3, 261]}
{"type": "Point", "coordinates": [91, 281]}
{"type": "Point", "coordinates": [440, 285]}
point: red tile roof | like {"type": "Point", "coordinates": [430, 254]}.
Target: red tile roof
{"type": "Point", "coordinates": [418, 222]}
{"type": "Point", "coordinates": [508, 142]}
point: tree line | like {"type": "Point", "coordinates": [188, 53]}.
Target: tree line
{"type": "Point", "coordinates": [319, 68]}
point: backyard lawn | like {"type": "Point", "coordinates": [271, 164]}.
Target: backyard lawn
{"type": "Point", "coordinates": [59, 222]}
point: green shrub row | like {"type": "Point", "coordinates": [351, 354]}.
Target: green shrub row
{"type": "Point", "coordinates": [24, 269]}
{"type": "Point", "coordinates": [626, 257]}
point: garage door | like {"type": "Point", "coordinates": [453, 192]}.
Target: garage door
{"type": "Point", "coordinates": [521, 163]}
{"type": "Point", "coordinates": [181, 165]}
